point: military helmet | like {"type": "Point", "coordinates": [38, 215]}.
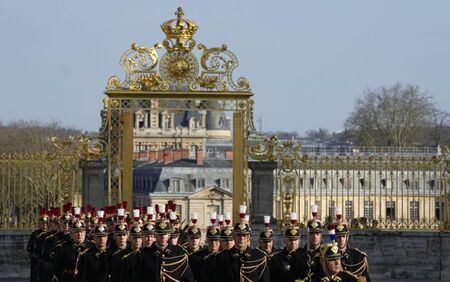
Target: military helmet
{"type": "Point", "coordinates": [226, 233]}
{"type": "Point", "coordinates": [78, 225]}
{"type": "Point", "coordinates": [242, 228]}
{"type": "Point", "coordinates": [315, 226]}
{"type": "Point", "coordinates": [266, 235]}
{"type": "Point", "coordinates": [292, 232]}
{"type": "Point", "coordinates": [175, 232]}
{"type": "Point", "coordinates": [136, 231]}
{"type": "Point", "coordinates": [194, 232]}
{"type": "Point", "coordinates": [100, 230]}
{"type": "Point", "coordinates": [121, 229]}
{"type": "Point", "coordinates": [162, 227]}
{"type": "Point", "coordinates": [148, 228]}
{"type": "Point", "coordinates": [330, 251]}
{"type": "Point", "coordinates": [65, 218]}
{"type": "Point", "coordinates": [213, 233]}
{"type": "Point", "coordinates": [341, 228]}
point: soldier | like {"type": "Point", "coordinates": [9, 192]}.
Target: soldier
{"type": "Point", "coordinates": [226, 238]}
{"type": "Point", "coordinates": [148, 235]}
{"type": "Point", "coordinates": [290, 264]}
{"type": "Point", "coordinates": [50, 245]}
{"type": "Point", "coordinates": [193, 238]}
{"type": "Point", "coordinates": [174, 236]}
{"type": "Point", "coordinates": [266, 243]}
{"type": "Point", "coordinates": [116, 252]}
{"type": "Point", "coordinates": [31, 245]}
{"type": "Point", "coordinates": [240, 263]}
{"type": "Point", "coordinates": [163, 261]}
{"type": "Point", "coordinates": [94, 262]}
{"type": "Point", "coordinates": [130, 268]}
{"type": "Point", "coordinates": [67, 256]}
{"type": "Point", "coordinates": [312, 248]}
{"type": "Point", "coordinates": [353, 260]}
{"type": "Point", "coordinates": [330, 260]}
{"type": "Point", "coordinates": [203, 259]}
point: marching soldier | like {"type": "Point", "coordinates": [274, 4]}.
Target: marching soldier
{"type": "Point", "coordinates": [330, 260]}
{"type": "Point", "coordinates": [193, 238]}
{"type": "Point", "coordinates": [226, 238]}
{"type": "Point", "coordinates": [290, 264]}
{"type": "Point", "coordinates": [130, 268]}
{"type": "Point", "coordinates": [50, 245]}
{"type": "Point", "coordinates": [266, 240]}
{"type": "Point", "coordinates": [312, 248]}
{"type": "Point", "coordinates": [67, 256]}
{"type": "Point", "coordinates": [202, 260]}
{"type": "Point", "coordinates": [163, 261]}
{"type": "Point", "coordinates": [148, 235]}
{"type": "Point", "coordinates": [94, 263]}
{"type": "Point", "coordinates": [241, 262]}
{"type": "Point", "coordinates": [31, 245]}
{"type": "Point", "coordinates": [118, 250]}
{"type": "Point", "coordinates": [353, 260]}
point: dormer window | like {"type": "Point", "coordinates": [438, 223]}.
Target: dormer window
{"type": "Point", "coordinates": [200, 183]}
{"type": "Point", "coordinates": [175, 185]}
{"type": "Point", "coordinates": [225, 183]}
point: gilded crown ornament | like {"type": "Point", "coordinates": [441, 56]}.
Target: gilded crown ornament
{"type": "Point", "coordinates": [181, 30]}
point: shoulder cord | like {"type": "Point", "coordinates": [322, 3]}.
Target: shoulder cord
{"type": "Point", "coordinates": [362, 265]}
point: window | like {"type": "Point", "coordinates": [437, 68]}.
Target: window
{"type": "Point", "coordinates": [390, 210]}
{"type": "Point", "coordinates": [439, 208]}
{"type": "Point", "coordinates": [362, 182]}
{"type": "Point", "coordinates": [332, 209]}
{"type": "Point", "coordinates": [175, 185]}
{"type": "Point", "coordinates": [225, 183]}
{"type": "Point", "coordinates": [179, 210]}
{"type": "Point", "coordinates": [368, 210]}
{"type": "Point", "coordinates": [414, 210]}
{"type": "Point", "coordinates": [383, 183]}
{"type": "Point", "coordinates": [311, 183]}
{"type": "Point", "coordinates": [318, 209]}
{"type": "Point", "coordinates": [300, 182]}
{"type": "Point", "coordinates": [200, 183]}
{"type": "Point", "coordinates": [349, 210]}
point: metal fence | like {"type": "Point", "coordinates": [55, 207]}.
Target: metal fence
{"type": "Point", "coordinates": [373, 191]}
{"type": "Point", "coordinates": [31, 181]}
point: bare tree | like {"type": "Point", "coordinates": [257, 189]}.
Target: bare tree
{"type": "Point", "coordinates": [438, 132]}
{"type": "Point", "coordinates": [391, 116]}
{"type": "Point", "coordinates": [31, 136]}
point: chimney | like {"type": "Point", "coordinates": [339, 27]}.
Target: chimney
{"type": "Point", "coordinates": [229, 155]}
{"type": "Point", "coordinates": [199, 156]}
{"type": "Point", "coordinates": [160, 156]}
{"type": "Point", "coordinates": [168, 156]}
{"type": "Point", "coordinates": [184, 154]}
{"type": "Point", "coordinates": [152, 156]}
{"type": "Point", "coordinates": [177, 155]}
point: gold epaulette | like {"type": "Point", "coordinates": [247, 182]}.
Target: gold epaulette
{"type": "Point", "coordinates": [361, 252]}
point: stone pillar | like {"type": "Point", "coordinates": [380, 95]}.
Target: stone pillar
{"type": "Point", "coordinates": [93, 183]}
{"type": "Point", "coordinates": [262, 190]}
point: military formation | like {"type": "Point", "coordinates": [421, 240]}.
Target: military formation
{"type": "Point", "coordinates": [109, 245]}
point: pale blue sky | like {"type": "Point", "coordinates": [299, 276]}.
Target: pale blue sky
{"type": "Point", "coordinates": [306, 61]}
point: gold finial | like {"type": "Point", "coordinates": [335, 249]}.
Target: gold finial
{"type": "Point", "coordinates": [181, 30]}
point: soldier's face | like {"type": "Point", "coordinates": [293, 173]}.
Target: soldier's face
{"type": "Point", "coordinates": [174, 240]}
{"type": "Point", "coordinates": [78, 236]}
{"type": "Point", "coordinates": [64, 227]}
{"type": "Point", "coordinates": [162, 239]}
{"type": "Point", "coordinates": [136, 242]}
{"type": "Point", "coordinates": [315, 239]}
{"type": "Point", "coordinates": [332, 265]}
{"type": "Point", "coordinates": [148, 240]}
{"type": "Point", "coordinates": [266, 245]}
{"type": "Point", "coordinates": [226, 244]}
{"type": "Point", "coordinates": [342, 241]}
{"type": "Point", "coordinates": [241, 241]}
{"type": "Point", "coordinates": [100, 242]}
{"type": "Point", "coordinates": [291, 244]}
{"type": "Point", "coordinates": [213, 245]}
{"type": "Point", "coordinates": [121, 240]}
{"type": "Point", "coordinates": [44, 225]}
{"type": "Point", "coordinates": [194, 243]}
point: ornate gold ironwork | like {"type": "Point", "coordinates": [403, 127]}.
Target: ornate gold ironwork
{"type": "Point", "coordinates": [178, 81]}
{"type": "Point", "coordinates": [31, 181]}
